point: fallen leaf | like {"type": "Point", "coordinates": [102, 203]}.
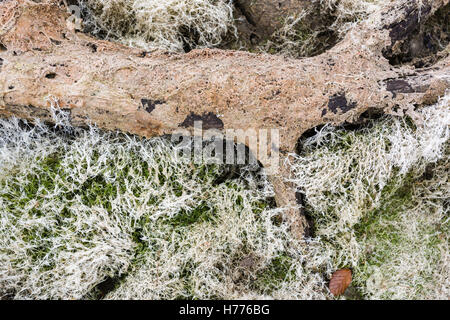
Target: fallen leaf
{"type": "Point", "coordinates": [340, 280]}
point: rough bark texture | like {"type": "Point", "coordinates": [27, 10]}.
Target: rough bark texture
{"type": "Point", "coordinates": [152, 94]}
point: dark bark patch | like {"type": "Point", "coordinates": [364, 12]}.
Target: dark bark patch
{"type": "Point", "coordinates": [93, 47]}
{"type": "Point", "coordinates": [55, 42]}
{"type": "Point", "coordinates": [419, 36]}
{"type": "Point", "coordinates": [339, 102]}
{"type": "Point", "coordinates": [1, 63]}
{"type": "Point", "coordinates": [2, 47]}
{"type": "Point", "coordinates": [50, 75]}
{"type": "Point", "coordinates": [398, 86]}
{"type": "Point", "coordinates": [402, 29]}
{"type": "Point", "coordinates": [209, 121]}
{"type": "Point", "coordinates": [150, 105]}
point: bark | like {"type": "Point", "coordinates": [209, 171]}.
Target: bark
{"type": "Point", "coordinates": [156, 93]}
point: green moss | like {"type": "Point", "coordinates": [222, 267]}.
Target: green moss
{"type": "Point", "coordinates": [382, 231]}
{"type": "Point", "coordinates": [272, 276]}
{"type": "Point", "coordinates": [128, 196]}
{"type": "Point", "coordinates": [396, 195]}
{"type": "Point", "coordinates": [202, 213]}
{"type": "Point", "coordinates": [187, 273]}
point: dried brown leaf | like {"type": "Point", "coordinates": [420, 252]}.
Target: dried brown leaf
{"type": "Point", "coordinates": [340, 280]}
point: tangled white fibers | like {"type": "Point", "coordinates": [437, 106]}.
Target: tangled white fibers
{"type": "Point", "coordinates": [155, 24]}
{"type": "Point", "coordinates": [81, 207]}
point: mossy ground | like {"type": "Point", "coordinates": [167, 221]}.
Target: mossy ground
{"type": "Point", "coordinates": [67, 203]}
{"type": "Point", "coordinates": [383, 216]}
{"type": "Point", "coordinates": [87, 214]}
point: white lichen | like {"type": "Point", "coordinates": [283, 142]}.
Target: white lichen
{"type": "Point", "coordinates": [78, 207]}
{"type": "Point", "coordinates": [353, 184]}
{"type": "Point", "coordinates": [298, 38]}
{"type": "Point", "coordinates": [167, 25]}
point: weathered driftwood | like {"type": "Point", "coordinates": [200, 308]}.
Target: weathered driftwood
{"type": "Point", "coordinates": [154, 93]}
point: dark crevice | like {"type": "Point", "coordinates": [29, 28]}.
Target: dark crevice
{"type": "Point", "coordinates": [244, 12]}
{"type": "Point", "coordinates": [92, 46]}
{"type": "Point", "coordinates": [108, 285]}
{"type": "Point", "coordinates": [190, 38]}
{"type": "Point", "coordinates": [429, 172]}
{"type": "Point", "coordinates": [309, 228]}
{"type": "Point", "coordinates": [55, 42]}
{"type": "Point", "coordinates": [231, 170]}
{"type": "Point", "coordinates": [50, 75]}
{"type": "Point", "coordinates": [208, 120]}
{"type": "Point", "coordinates": [365, 121]}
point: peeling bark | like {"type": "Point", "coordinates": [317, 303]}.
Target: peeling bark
{"type": "Point", "coordinates": [156, 93]}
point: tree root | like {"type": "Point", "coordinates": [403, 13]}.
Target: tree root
{"type": "Point", "coordinates": [45, 59]}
